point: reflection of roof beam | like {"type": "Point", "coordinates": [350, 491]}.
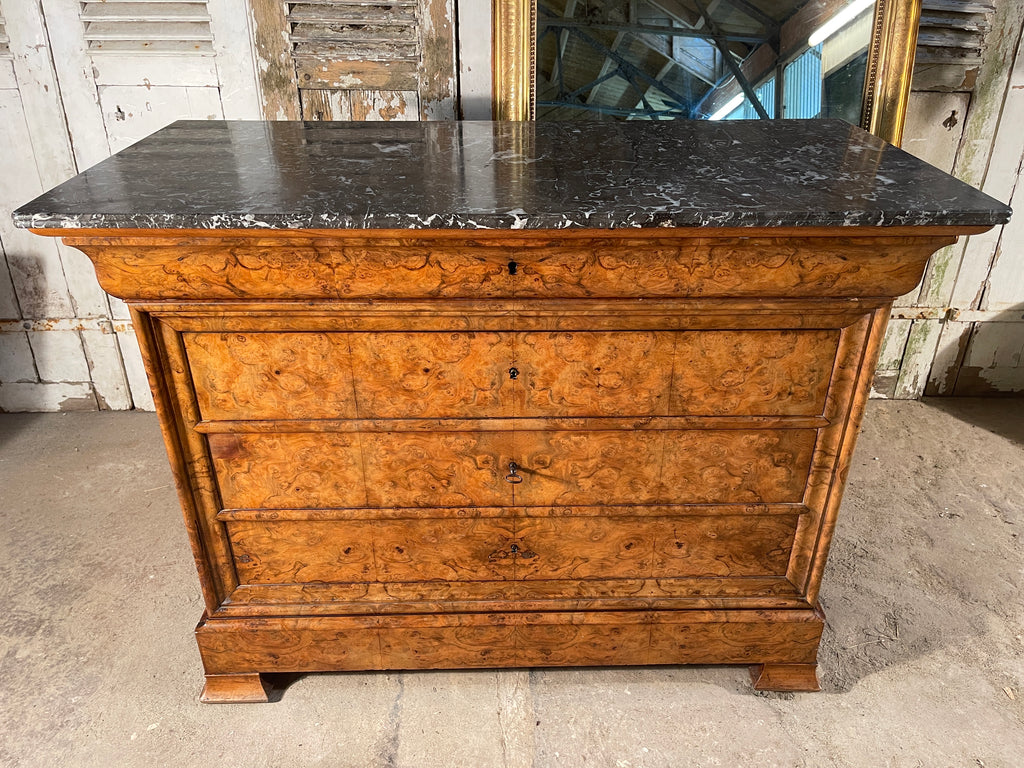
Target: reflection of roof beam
{"type": "Point", "coordinates": [610, 70]}
{"type": "Point", "coordinates": [733, 66]}
{"type": "Point", "coordinates": [704, 70]}
{"type": "Point", "coordinates": [607, 68]}
{"type": "Point", "coordinates": [616, 111]}
{"type": "Point", "coordinates": [661, 73]}
{"type": "Point", "coordinates": [694, 21]}
{"type": "Point", "coordinates": [627, 68]}
{"type": "Point", "coordinates": [762, 60]}
{"type": "Point", "coordinates": [677, 11]}
{"type": "Point", "coordinates": [755, 13]}
{"type": "Point", "coordinates": [652, 29]}
{"type": "Point", "coordinates": [563, 40]}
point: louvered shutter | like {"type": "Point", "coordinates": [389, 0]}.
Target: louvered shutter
{"type": "Point", "coordinates": [953, 31]}
{"type": "Point", "coordinates": [950, 40]}
{"type": "Point", "coordinates": [153, 62]}
{"type": "Point", "coordinates": [357, 59]}
{"type": "Point", "coordinates": [153, 26]}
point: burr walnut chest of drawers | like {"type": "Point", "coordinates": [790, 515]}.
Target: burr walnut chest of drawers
{"type": "Point", "coordinates": [495, 395]}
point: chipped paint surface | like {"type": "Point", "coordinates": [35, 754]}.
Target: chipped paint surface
{"type": "Point", "coordinates": [275, 69]}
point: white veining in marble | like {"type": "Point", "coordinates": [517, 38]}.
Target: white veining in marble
{"type": "Point", "coordinates": [483, 175]}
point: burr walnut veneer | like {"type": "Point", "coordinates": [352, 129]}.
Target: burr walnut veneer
{"type": "Point", "coordinates": [436, 447]}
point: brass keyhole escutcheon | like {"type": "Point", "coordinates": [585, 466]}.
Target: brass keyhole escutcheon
{"type": "Point", "coordinates": [513, 475]}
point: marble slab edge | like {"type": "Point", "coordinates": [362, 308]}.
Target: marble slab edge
{"type": "Point", "coordinates": [513, 221]}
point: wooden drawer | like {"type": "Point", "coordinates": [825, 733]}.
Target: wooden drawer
{"type": "Point", "coordinates": [663, 466]}
{"type": "Point", "coordinates": [248, 376]}
{"type": "Point", "coordinates": [675, 373]}
{"type": "Point", "coordinates": [485, 374]}
{"type": "Point", "coordinates": [446, 469]}
{"type": "Point", "coordinates": [500, 545]}
{"type": "Point", "coordinates": [294, 266]}
{"type": "Point", "coordinates": [388, 469]}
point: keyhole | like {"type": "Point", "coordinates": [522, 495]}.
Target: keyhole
{"type": "Point", "coordinates": [513, 475]}
{"type": "Point", "coordinates": [513, 373]}
{"type": "Point", "coordinates": [512, 267]}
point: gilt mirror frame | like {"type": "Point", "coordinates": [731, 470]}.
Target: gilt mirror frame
{"type": "Point", "coordinates": [886, 84]}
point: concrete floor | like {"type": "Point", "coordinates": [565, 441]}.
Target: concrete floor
{"type": "Point", "coordinates": [922, 662]}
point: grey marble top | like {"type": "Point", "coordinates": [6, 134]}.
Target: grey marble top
{"type": "Point", "coordinates": [475, 175]}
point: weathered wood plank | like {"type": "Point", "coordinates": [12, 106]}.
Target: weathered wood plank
{"type": "Point", "coordinates": [35, 268]}
{"type": "Point", "coordinates": [9, 309]}
{"type": "Point", "coordinates": [106, 370]}
{"type": "Point", "coordinates": [1004, 286]}
{"type": "Point", "coordinates": [135, 371]}
{"type": "Point", "coordinates": [40, 94]}
{"type": "Point", "coordinates": [231, 22]}
{"type": "Point", "coordinates": [133, 112]}
{"type": "Point", "coordinates": [275, 68]}
{"type": "Point", "coordinates": [995, 345]}
{"type": "Point", "coordinates": [18, 397]}
{"type": "Point", "coordinates": [989, 154]}
{"type": "Point", "coordinates": [59, 356]}
{"type": "Point", "coordinates": [323, 104]}
{"type": "Point", "coordinates": [992, 361]}
{"type": "Point", "coordinates": [893, 344]}
{"type": "Point", "coordinates": [154, 70]}
{"type": "Point", "coordinates": [77, 82]}
{"type": "Point", "coordinates": [934, 131]}
{"type": "Point", "coordinates": [315, 72]}
{"type": "Point", "coordinates": [437, 87]}
{"type": "Point", "coordinates": [935, 127]}
{"type": "Point", "coordinates": [917, 359]}
{"type": "Point", "coordinates": [888, 369]}
{"type": "Point", "coordinates": [949, 355]}
{"type": "Point", "coordinates": [7, 77]}
{"type": "Point", "coordinates": [385, 105]}
{"type": "Point", "coordinates": [16, 357]}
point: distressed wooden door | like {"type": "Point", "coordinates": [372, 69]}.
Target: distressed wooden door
{"type": "Point", "coordinates": [345, 60]}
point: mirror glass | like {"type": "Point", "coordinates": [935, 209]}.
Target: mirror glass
{"type": "Point", "coordinates": [701, 59]}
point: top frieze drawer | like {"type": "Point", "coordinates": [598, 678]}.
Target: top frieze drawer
{"type": "Point", "coordinates": [313, 268]}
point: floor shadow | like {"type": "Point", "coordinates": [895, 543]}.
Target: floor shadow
{"type": "Point", "coordinates": [14, 424]}
{"type": "Point", "coordinates": [1002, 415]}
{"type": "Point", "coordinates": [924, 562]}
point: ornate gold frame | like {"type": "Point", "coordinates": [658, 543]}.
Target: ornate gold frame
{"type": "Point", "coordinates": [886, 87]}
